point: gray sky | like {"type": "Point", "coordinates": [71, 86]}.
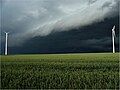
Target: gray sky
{"type": "Point", "coordinates": [29, 18]}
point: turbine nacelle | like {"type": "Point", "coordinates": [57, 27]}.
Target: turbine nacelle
{"type": "Point", "coordinates": [6, 32]}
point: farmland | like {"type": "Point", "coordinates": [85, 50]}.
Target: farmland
{"type": "Point", "coordinates": [60, 71]}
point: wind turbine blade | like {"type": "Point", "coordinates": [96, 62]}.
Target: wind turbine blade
{"type": "Point", "coordinates": [113, 38]}
{"type": "Point", "coordinates": [114, 27]}
{"type": "Point", "coordinates": [6, 32]}
{"type": "Point", "coordinates": [113, 31]}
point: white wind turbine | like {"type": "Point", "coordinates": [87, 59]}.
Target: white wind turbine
{"type": "Point", "coordinates": [113, 38]}
{"type": "Point", "coordinates": [6, 42]}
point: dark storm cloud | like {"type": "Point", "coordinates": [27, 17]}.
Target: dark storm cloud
{"type": "Point", "coordinates": [26, 19]}
{"type": "Point", "coordinates": [92, 38]}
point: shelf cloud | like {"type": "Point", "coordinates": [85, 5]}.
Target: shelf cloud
{"type": "Point", "coordinates": [26, 19]}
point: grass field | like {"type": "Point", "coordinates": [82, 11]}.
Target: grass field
{"type": "Point", "coordinates": [60, 71]}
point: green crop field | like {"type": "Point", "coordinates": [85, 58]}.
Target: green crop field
{"type": "Point", "coordinates": [60, 71]}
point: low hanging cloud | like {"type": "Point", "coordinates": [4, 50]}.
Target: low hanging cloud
{"type": "Point", "coordinates": [25, 19]}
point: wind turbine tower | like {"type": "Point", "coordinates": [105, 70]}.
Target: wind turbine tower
{"type": "Point", "coordinates": [113, 38]}
{"type": "Point", "coordinates": [6, 42]}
